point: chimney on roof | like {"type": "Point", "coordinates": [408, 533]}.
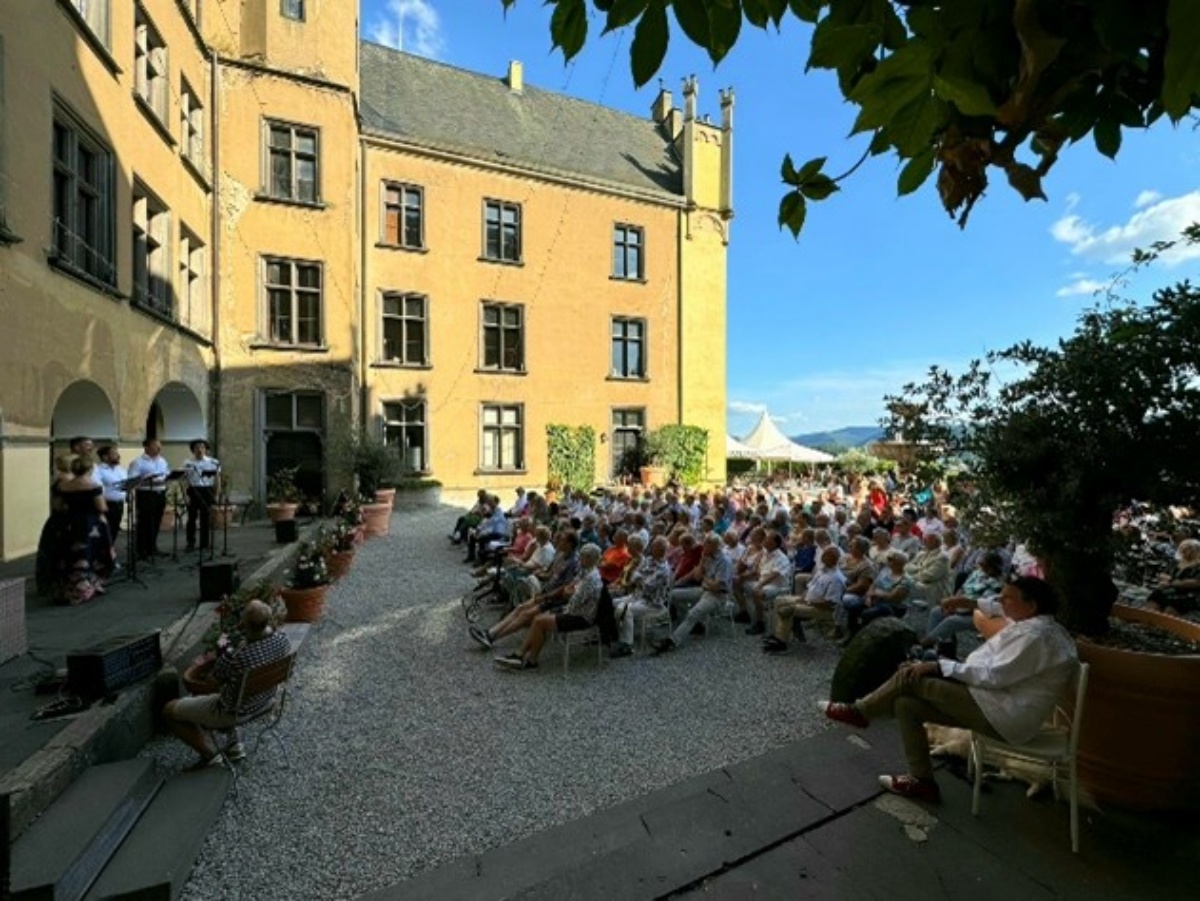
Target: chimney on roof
{"type": "Point", "coordinates": [664, 114]}
{"type": "Point", "coordinates": [516, 77]}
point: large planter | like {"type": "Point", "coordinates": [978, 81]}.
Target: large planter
{"type": "Point", "coordinates": [654, 476]}
{"type": "Point", "coordinates": [1140, 746]}
{"type": "Point", "coordinates": [338, 563]}
{"type": "Point", "coordinates": [385, 496]}
{"type": "Point", "coordinates": [304, 605]}
{"type": "Point", "coordinates": [281, 512]}
{"type": "Point", "coordinates": [377, 519]}
{"type": "Point", "coordinates": [198, 680]}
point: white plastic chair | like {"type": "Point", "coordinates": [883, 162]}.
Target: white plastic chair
{"type": "Point", "coordinates": [580, 638]}
{"type": "Point", "coordinates": [1056, 744]}
{"type": "Point", "coordinates": [655, 619]}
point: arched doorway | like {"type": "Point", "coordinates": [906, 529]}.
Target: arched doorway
{"type": "Point", "coordinates": [176, 415]}
{"type": "Point", "coordinates": [83, 409]}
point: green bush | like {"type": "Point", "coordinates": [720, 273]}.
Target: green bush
{"type": "Point", "coordinates": [571, 457]}
{"type": "Point", "coordinates": [681, 449]}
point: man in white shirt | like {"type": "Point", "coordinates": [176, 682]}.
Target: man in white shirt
{"type": "Point", "coordinates": [520, 505]}
{"type": "Point", "coordinates": [1005, 689]}
{"type": "Point", "coordinates": [151, 498]}
{"type": "Point", "coordinates": [110, 474]}
{"type": "Point", "coordinates": [773, 579]}
{"type": "Point", "coordinates": [820, 600]}
{"type": "Point", "coordinates": [200, 471]}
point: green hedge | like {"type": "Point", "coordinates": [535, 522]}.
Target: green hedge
{"type": "Point", "coordinates": [571, 457]}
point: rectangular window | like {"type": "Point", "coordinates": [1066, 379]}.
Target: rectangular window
{"type": "Point", "coordinates": [292, 161]}
{"type": "Point", "coordinates": [191, 125]}
{"type": "Point", "coordinates": [95, 14]}
{"type": "Point", "coordinates": [502, 445]}
{"type": "Point", "coordinates": [503, 337]}
{"type": "Point", "coordinates": [150, 65]}
{"type": "Point", "coordinates": [193, 302]}
{"type": "Point", "coordinates": [292, 9]}
{"type": "Point", "coordinates": [404, 429]}
{"type": "Point", "coordinates": [406, 329]}
{"type": "Point", "coordinates": [627, 428]}
{"type": "Point", "coordinates": [403, 217]}
{"type": "Point", "coordinates": [628, 241]}
{"type": "Point", "coordinates": [151, 267]}
{"type": "Point", "coordinates": [502, 231]}
{"type": "Point", "coordinates": [293, 291]}
{"type": "Point", "coordinates": [628, 348]}
{"type": "Point", "coordinates": [83, 201]}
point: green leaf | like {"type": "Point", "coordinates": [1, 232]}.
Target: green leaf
{"type": "Point", "coordinates": [692, 16]}
{"type": "Point", "coordinates": [649, 43]}
{"type": "Point", "coordinates": [818, 187]}
{"type": "Point", "coordinates": [970, 97]}
{"type": "Point", "coordinates": [916, 125]}
{"type": "Point", "coordinates": [914, 174]}
{"type": "Point", "coordinates": [623, 12]}
{"type": "Point", "coordinates": [905, 76]}
{"type": "Point", "coordinates": [793, 209]}
{"type": "Point", "coordinates": [568, 26]}
{"type": "Point", "coordinates": [757, 13]}
{"type": "Point", "coordinates": [837, 46]}
{"type": "Point", "coordinates": [805, 10]}
{"type": "Point", "coordinates": [788, 172]}
{"type": "Point", "coordinates": [724, 25]}
{"type": "Point", "coordinates": [811, 168]}
{"type": "Point", "coordinates": [778, 8]}
{"type": "Point", "coordinates": [1107, 135]}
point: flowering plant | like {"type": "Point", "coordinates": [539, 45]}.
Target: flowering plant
{"type": "Point", "coordinates": [337, 536]}
{"type": "Point", "coordinates": [226, 629]}
{"type": "Point", "coordinates": [310, 570]}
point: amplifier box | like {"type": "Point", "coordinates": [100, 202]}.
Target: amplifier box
{"type": "Point", "coordinates": [112, 665]}
{"type": "Point", "coordinates": [218, 580]}
{"type": "Point", "coordinates": [286, 531]}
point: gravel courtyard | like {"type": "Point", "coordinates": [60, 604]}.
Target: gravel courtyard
{"type": "Point", "coordinates": [410, 748]}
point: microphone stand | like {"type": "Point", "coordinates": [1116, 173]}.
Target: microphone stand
{"type": "Point", "coordinates": [130, 486]}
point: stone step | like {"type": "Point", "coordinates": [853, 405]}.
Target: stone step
{"type": "Point", "coordinates": [155, 859]}
{"type": "Point", "coordinates": [64, 851]}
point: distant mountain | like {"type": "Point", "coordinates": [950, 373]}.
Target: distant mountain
{"type": "Point", "coordinates": [850, 436]}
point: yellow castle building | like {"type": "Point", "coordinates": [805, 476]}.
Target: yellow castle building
{"type": "Point", "coordinates": [233, 219]}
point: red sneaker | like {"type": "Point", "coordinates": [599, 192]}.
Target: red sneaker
{"type": "Point", "coordinates": [847, 714]}
{"type": "Point", "coordinates": [912, 787]}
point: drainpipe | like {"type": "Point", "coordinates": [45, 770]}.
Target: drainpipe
{"type": "Point", "coordinates": [214, 96]}
{"type": "Point", "coordinates": [364, 290]}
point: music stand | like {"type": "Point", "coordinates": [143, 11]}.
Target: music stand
{"type": "Point", "coordinates": [130, 486]}
{"type": "Point", "coordinates": [203, 501]}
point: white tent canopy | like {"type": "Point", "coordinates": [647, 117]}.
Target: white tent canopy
{"type": "Point", "coordinates": [735, 450]}
{"type": "Point", "coordinates": [766, 442]}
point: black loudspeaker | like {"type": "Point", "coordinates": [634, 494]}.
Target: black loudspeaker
{"type": "Point", "coordinates": [109, 667]}
{"type": "Point", "coordinates": [286, 531]}
{"type": "Point", "coordinates": [218, 580]}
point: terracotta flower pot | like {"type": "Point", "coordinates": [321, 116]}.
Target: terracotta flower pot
{"type": "Point", "coordinates": [1140, 745]}
{"type": "Point", "coordinates": [385, 496]}
{"type": "Point", "coordinates": [281, 512]}
{"type": "Point", "coordinates": [198, 680]}
{"type": "Point", "coordinates": [304, 605]}
{"type": "Point", "coordinates": [222, 516]}
{"type": "Point", "coordinates": [168, 520]}
{"type": "Point", "coordinates": [377, 518]}
{"type": "Point", "coordinates": [653, 476]}
{"type": "Point", "coordinates": [338, 563]}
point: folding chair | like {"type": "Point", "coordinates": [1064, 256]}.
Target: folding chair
{"type": "Point", "coordinates": [254, 682]}
{"type": "Point", "coordinates": [1056, 744]}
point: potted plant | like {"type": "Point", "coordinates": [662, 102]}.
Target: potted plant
{"type": "Point", "coordinates": [650, 463]}
{"type": "Point", "coordinates": [1106, 417]}
{"type": "Point", "coordinates": [225, 632]}
{"type": "Point", "coordinates": [417, 492]}
{"type": "Point", "coordinates": [339, 542]}
{"type": "Point", "coordinates": [307, 584]}
{"type": "Point", "coordinates": [283, 496]}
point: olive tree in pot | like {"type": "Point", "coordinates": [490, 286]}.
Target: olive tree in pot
{"type": "Point", "coordinates": [1082, 429]}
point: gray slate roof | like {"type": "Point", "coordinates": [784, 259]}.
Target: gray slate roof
{"type": "Point", "coordinates": [440, 106]}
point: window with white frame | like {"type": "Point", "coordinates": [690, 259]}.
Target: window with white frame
{"type": "Point", "coordinates": [404, 428]}
{"type": "Point", "coordinates": [150, 65]}
{"type": "Point", "coordinates": [292, 9]}
{"type": "Point", "coordinates": [628, 241]}
{"type": "Point", "coordinates": [292, 162]}
{"type": "Point", "coordinates": [191, 125]}
{"type": "Point", "coordinates": [83, 200]}
{"type": "Point", "coordinates": [502, 440]}
{"type": "Point", "coordinates": [96, 14]}
{"type": "Point", "coordinates": [503, 337]}
{"type": "Point", "coordinates": [405, 329]}
{"type": "Point", "coordinates": [502, 231]}
{"type": "Point", "coordinates": [403, 216]}
{"type": "Point", "coordinates": [151, 267]}
{"type": "Point", "coordinates": [293, 289]}
{"type": "Point", "coordinates": [193, 299]}
{"type": "Point", "coordinates": [628, 348]}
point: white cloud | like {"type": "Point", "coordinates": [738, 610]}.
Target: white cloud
{"type": "Point", "coordinates": [1158, 219]}
{"type": "Point", "coordinates": [1073, 200]}
{"type": "Point", "coordinates": [747, 408]}
{"type": "Point", "coordinates": [1145, 198]}
{"type": "Point", "coordinates": [411, 25]}
{"type": "Point", "coordinates": [1080, 286]}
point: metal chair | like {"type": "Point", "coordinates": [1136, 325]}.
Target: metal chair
{"type": "Point", "coordinates": [1056, 744]}
{"type": "Point", "coordinates": [256, 681]}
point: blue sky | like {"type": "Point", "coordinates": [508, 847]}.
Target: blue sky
{"type": "Point", "coordinates": [878, 288]}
